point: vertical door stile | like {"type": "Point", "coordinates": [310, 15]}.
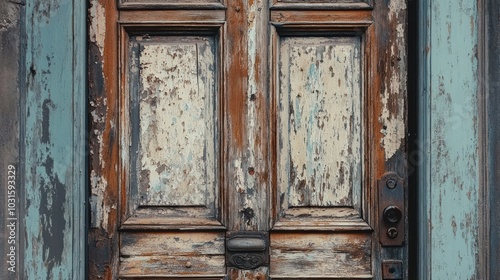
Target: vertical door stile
{"type": "Point", "coordinates": [246, 128]}
{"type": "Point", "coordinates": [103, 146]}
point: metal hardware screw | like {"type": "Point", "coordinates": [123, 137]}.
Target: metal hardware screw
{"type": "Point", "coordinates": [392, 232]}
{"type": "Point", "coordinates": [391, 183]}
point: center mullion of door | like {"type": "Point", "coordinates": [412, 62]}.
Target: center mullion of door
{"type": "Point", "coordinates": [246, 133]}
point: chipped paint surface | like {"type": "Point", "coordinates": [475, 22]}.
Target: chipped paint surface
{"type": "Point", "coordinates": [320, 120]}
{"type": "Point", "coordinates": [452, 184]}
{"type": "Point", "coordinates": [54, 137]}
{"type": "Point", "coordinates": [177, 161]}
{"type": "Point", "coordinates": [393, 118]}
{"type": "Point", "coordinates": [97, 31]}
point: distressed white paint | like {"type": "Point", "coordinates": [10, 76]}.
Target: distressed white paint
{"type": "Point", "coordinates": [320, 120]}
{"type": "Point", "coordinates": [393, 104]}
{"type": "Point", "coordinates": [177, 153]}
{"type": "Point", "coordinates": [97, 28]}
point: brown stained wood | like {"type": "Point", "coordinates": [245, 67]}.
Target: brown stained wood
{"type": "Point", "coordinates": [297, 255]}
{"type": "Point", "coordinates": [388, 95]}
{"type": "Point", "coordinates": [172, 253]}
{"type": "Point", "coordinates": [173, 266]}
{"type": "Point", "coordinates": [321, 219]}
{"type": "Point", "coordinates": [172, 243]}
{"type": "Point", "coordinates": [260, 273]}
{"type": "Point", "coordinates": [171, 4]}
{"type": "Point", "coordinates": [159, 16]}
{"type": "Point", "coordinates": [103, 148]}
{"type": "Point", "coordinates": [246, 157]}
{"type": "Point", "coordinates": [321, 17]}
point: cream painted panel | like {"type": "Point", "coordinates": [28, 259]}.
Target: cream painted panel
{"type": "Point", "coordinates": [320, 120]}
{"type": "Point", "coordinates": [177, 143]}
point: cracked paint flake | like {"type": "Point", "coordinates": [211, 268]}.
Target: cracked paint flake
{"type": "Point", "coordinates": [393, 105]}
{"type": "Point", "coordinates": [97, 29]}
{"type": "Point", "coordinates": [177, 161]}
{"type": "Point", "coordinates": [320, 120]}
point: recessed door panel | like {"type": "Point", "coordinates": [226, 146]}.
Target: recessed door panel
{"type": "Point", "coordinates": [177, 163]}
{"type": "Point", "coordinates": [172, 127]}
{"type": "Point", "coordinates": [320, 121]}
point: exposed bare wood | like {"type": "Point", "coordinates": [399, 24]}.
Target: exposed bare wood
{"type": "Point", "coordinates": [321, 4]}
{"type": "Point", "coordinates": [172, 4]}
{"type": "Point", "coordinates": [159, 16]}
{"type": "Point", "coordinates": [171, 243]}
{"type": "Point", "coordinates": [334, 255]}
{"type": "Point", "coordinates": [172, 266]}
{"type": "Point", "coordinates": [103, 107]}
{"type": "Point", "coordinates": [246, 162]}
{"type": "Point", "coordinates": [321, 17]}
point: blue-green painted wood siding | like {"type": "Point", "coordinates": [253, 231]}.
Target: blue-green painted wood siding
{"type": "Point", "coordinates": [450, 181]}
{"type": "Point", "coordinates": [54, 140]}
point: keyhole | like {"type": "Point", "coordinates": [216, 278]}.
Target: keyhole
{"type": "Point", "coordinates": [392, 270]}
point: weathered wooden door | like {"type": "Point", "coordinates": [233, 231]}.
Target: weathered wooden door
{"type": "Point", "coordinates": [247, 139]}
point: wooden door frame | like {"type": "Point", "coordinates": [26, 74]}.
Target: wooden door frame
{"type": "Point", "coordinates": [483, 186]}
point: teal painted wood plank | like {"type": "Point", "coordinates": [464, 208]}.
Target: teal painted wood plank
{"type": "Point", "coordinates": [450, 179]}
{"type": "Point", "coordinates": [54, 139]}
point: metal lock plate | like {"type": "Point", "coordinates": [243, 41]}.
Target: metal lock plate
{"type": "Point", "coordinates": [391, 195]}
{"type": "Point", "coordinates": [247, 250]}
{"type": "Point", "coordinates": [392, 269]}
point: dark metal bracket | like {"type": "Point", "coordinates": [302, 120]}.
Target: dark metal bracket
{"type": "Point", "coordinates": [247, 249]}
{"type": "Point", "coordinates": [392, 218]}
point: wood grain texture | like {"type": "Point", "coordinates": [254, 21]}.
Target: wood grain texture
{"type": "Point", "coordinates": [172, 254]}
{"type": "Point", "coordinates": [451, 184]}
{"type": "Point", "coordinates": [299, 255]}
{"type": "Point", "coordinates": [103, 143]}
{"type": "Point", "coordinates": [245, 124]}
{"type": "Point", "coordinates": [11, 53]}
{"type": "Point", "coordinates": [53, 139]}
{"type": "Point", "coordinates": [162, 16]}
{"type": "Point", "coordinates": [491, 224]}
{"type": "Point", "coordinates": [320, 121]}
{"type": "Point", "coordinates": [171, 4]}
{"type": "Point", "coordinates": [322, 4]}
{"type": "Point", "coordinates": [177, 162]}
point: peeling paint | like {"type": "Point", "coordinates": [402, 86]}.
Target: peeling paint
{"type": "Point", "coordinates": [320, 121]}
{"type": "Point", "coordinates": [177, 122]}
{"type": "Point", "coordinates": [393, 118]}
{"type": "Point", "coordinates": [97, 29]}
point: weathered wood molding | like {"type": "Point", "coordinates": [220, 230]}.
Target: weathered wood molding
{"type": "Point", "coordinates": [491, 152]}
{"type": "Point", "coordinates": [451, 177]}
